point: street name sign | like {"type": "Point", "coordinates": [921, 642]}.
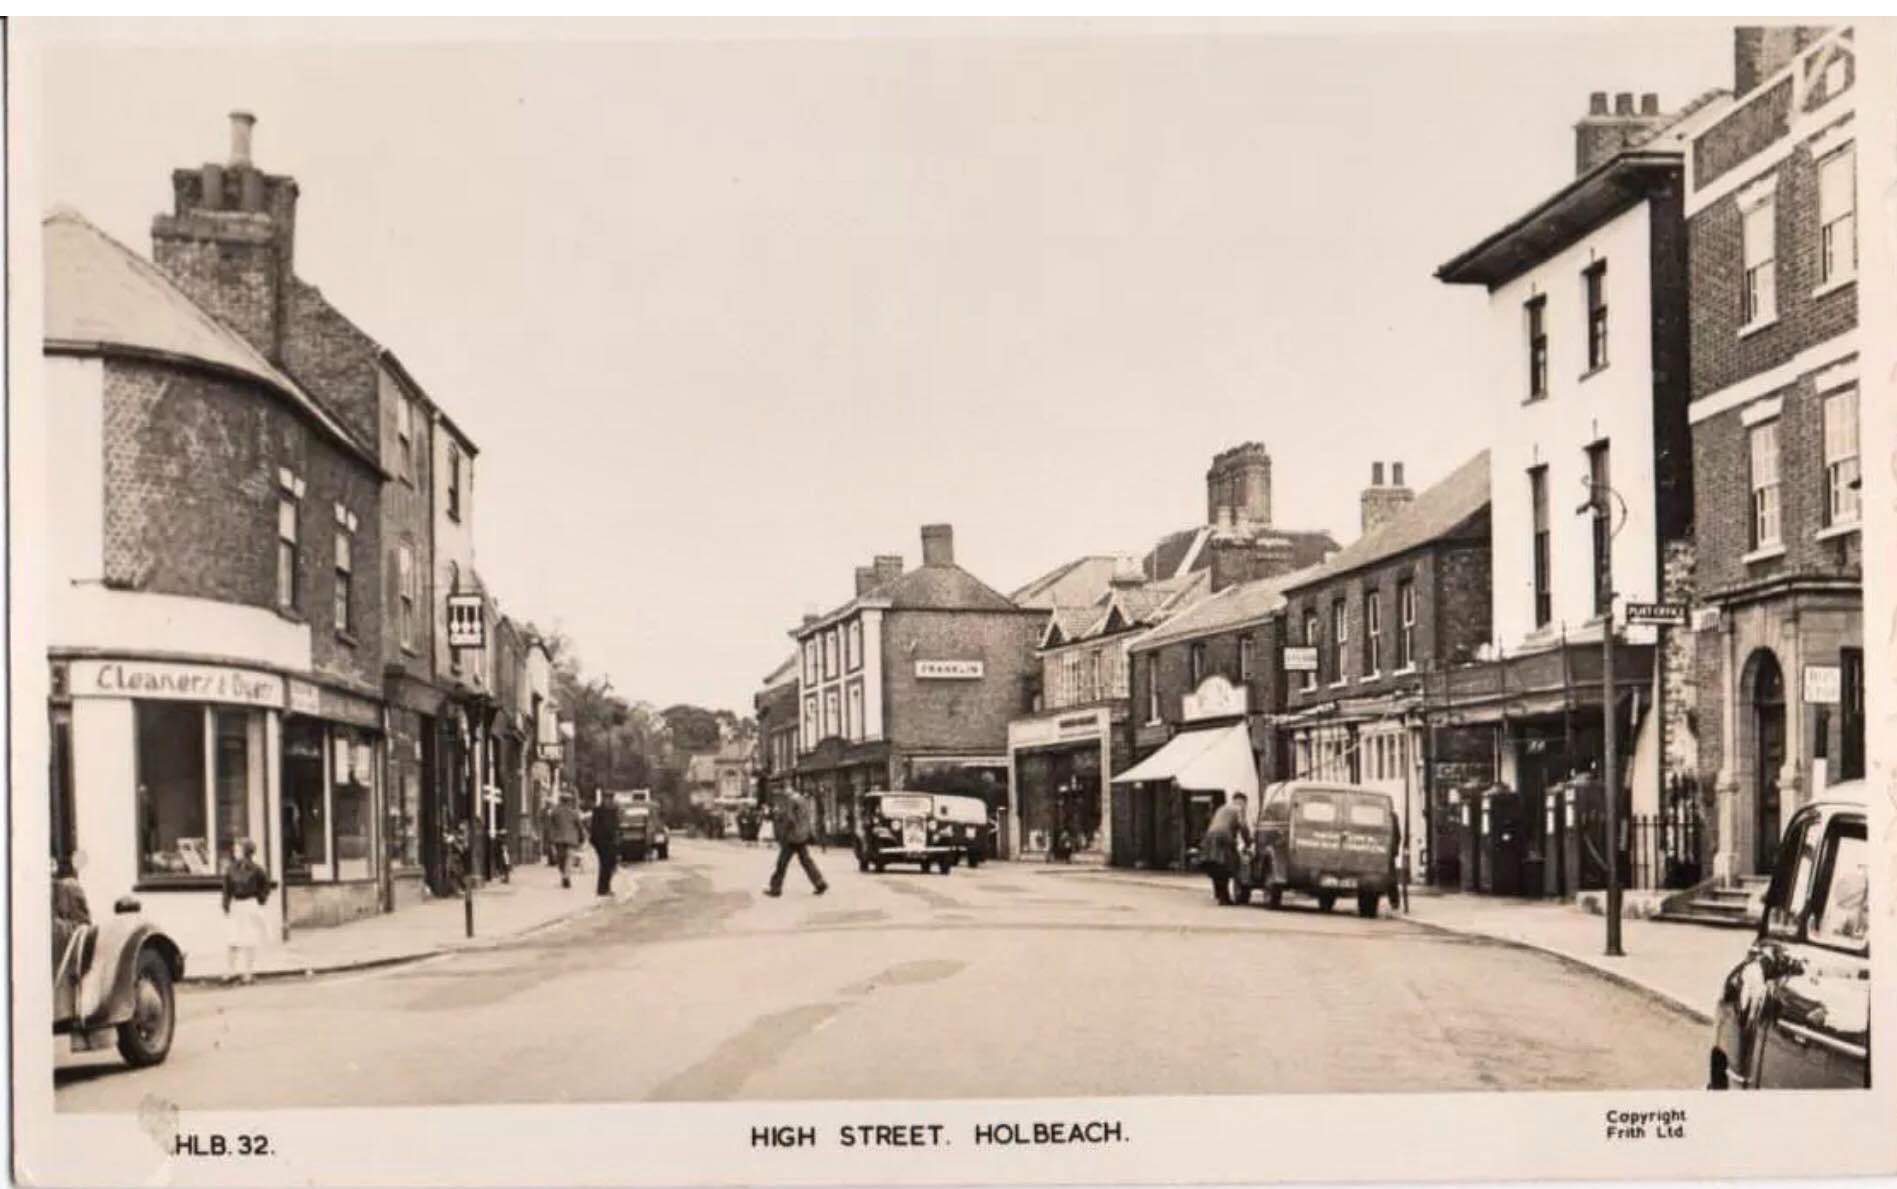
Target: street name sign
{"type": "Point", "coordinates": [1657, 614]}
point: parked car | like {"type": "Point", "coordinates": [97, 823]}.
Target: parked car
{"type": "Point", "coordinates": [1324, 840]}
{"type": "Point", "coordinates": [1796, 1011]}
{"type": "Point", "coordinates": [902, 827]}
{"type": "Point", "coordinates": [964, 821]}
{"type": "Point", "coordinates": [113, 983]}
{"type": "Point", "coordinates": [636, 830]}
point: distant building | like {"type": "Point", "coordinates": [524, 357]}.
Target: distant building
{"type": "Point", "coordinates": [914, 678]}
{"type": "Point", "coordinates": [1238, 541]}
{"type": "Point", "coordinates": [775, 707]}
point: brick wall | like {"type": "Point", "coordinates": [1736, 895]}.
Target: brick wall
{"type": "Point", "coordinates": [1679, 666]}
{"type": "Point", "coordinates": [1265, 691]}
{"type": "Point", "coordinates": [1720, 357]}
{"type": "Point", "coordinates": [954, 715]}
{"type": "Point", "coordinates": [406, 519]}
{"type": "Point", "coordinates": [191, 476]}
{"type": "Point", "coordinates": [337, 362]}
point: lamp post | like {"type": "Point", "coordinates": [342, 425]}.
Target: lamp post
{"type": "Point", "coordinates": [1599, 493]}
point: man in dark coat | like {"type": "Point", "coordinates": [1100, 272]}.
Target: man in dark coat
{"type": "Point", "coordinates": [1219, 851]}
{"type": "Point", "coordinates": [564, 833]}
{"type": "Point", "coordinates": [603, 829]}
{"type": "Point", "coordinates": [794, 827]}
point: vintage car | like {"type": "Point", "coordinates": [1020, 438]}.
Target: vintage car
{"type": "Point", "coordinates": [638, 820]}
{"type": "Point", "coordinates": [113, 983]}
{"type": "Point", "coordinates": [1796, 1012]}
{"type": "Point", "coordinates": [1324, 840]}
{"type": "Point", "coordinates": [965, 822]}
{"type": "Point", "coordinates": [903, 827]}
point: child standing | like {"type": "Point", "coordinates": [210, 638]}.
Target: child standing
{"type": "Point", "coordinates": [246, 888]}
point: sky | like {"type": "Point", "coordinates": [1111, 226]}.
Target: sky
{"type": "Point", "coordinates": [730, 309]}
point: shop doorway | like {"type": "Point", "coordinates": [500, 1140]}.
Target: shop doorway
{"type": "Point", "coordinates": [1768, 730]}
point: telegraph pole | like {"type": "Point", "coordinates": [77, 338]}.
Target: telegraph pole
{"type": "Point", "coordinates": [1598, 496]}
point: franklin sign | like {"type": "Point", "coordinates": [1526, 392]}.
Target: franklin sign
{"type": "Point", "coordinates": [949, 670]}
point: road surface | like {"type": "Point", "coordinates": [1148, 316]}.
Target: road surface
{"type": "Point", "coordinates": [1000, 982]}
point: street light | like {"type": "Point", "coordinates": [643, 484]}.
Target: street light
{"type": "Point", "coordinates": [1597, 506]}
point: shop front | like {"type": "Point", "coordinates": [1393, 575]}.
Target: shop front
{"type": "Point", "coordinates": [1059, 795]}
{"type": "Point", "coordinates": [1376, 743]}
{"type": "Point", "coordinates": [836, 774]}
{"type": "Point", "coordinates": [160, 767]}
{"type": "Point", "coordinates": [409, 788]}
{"type": "Point", "coordinates": [1171, 794]}
{"type": "Point", "coordinates": [331, 769]}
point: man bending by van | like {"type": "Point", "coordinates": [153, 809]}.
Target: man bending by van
{"type": "Point", "coordinates": [1219, 851]}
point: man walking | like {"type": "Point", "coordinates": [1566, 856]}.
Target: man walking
{"type": "Point", "coordinates": [604, 829]}
{"type": "Point", "coordinates": [793, 828]}
{"type": "Point", "coordinates": [564, 832]}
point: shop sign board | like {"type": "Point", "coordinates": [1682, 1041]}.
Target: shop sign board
{"type": "Point", "coordinates": [1215, 698]}
{"type": "Point", "coordinates": [467, 622]}
{"type": "Point", "coordinates": [949, 670]}
{"type": "Point", "coordinates": [1300, 659]}
{"type": "Point", "coordinates": [1656, 614]}
{"type": "Point", "coordinates": [305, 699]}
{"type": "Point", "coordinates": [174, 682]}
{"type": "Point", "coordinates": [1057, 729]}
{"type": "Point", "coordinates": [1823, 685]}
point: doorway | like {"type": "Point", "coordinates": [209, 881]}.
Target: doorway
{"type": "Point", "coordinates": [1768, 730]}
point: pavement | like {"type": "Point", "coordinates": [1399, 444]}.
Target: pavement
{"type": "Point", "coordinates": [531, 900]}
{"type": "Point", "coordinates": [991, 983]}
{"type": "Point", "coordinates": [1680, 965]}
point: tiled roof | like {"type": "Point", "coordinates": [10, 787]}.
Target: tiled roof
{"type": "Point", "coordinates": [1231, 607]}
{"type": "Point", "coordinates": [101, 295]}
{"type": "Point", "coordinates": [1433, 514]}
{"type": "Point", "coordinates": [1076, 584]}
{"type": "Point", "coordinates": [1176, 549]}
{"type": "Point", "coordinates": [1073, 623]}
{"type": "Point", "coordinates": [943, 588]}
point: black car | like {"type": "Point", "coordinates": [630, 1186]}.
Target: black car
{"type": "Point", "coordinates": [1796, 1012]}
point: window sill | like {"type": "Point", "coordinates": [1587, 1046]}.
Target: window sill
{"type": "Point", "coordinates": [1340, 683]}
{"type": "Point", "coordinates": [348, 639]}
{"type": "Point", "coordinates": [1590, 373]}
{"type": "Point", "coordinates": [1838, 530]}
{"type": "Point", "coordinates": [291, 614]}
{"type": "Point", "coordinates": [1405, 671]}
{"type": "Point", "coordinates": [411, 650]}
{"type": "Point", "coordinates": [1367, 678]}
{"type": "Point", "coordinates": [1534, 398]}
{"type": "Point", "coordinates": [1754, 327]}
{"type": "Point", "coordinates": [1833, 285]}
{"type": "Point", "coordinates": [1765, 554]}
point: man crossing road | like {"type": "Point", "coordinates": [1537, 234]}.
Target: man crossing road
{"type": "Point", "coordinates": [604, 832]}
{"type": "Point", "coordinates": [793, 828]}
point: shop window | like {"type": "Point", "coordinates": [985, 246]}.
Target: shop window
{"type": "Point", "coordinates": [200, 782]}
{"type": "Point", "coordinates": [1764, 481]}
{"type": "Point", "coordinates": [405, 818]}
{"type": "Point", "coordinates": [305, 816]}
{"type": "Point", "coordinates": [353, 797]}
{"type": "Point", "coordinates": [1837, 215]}
{"type": "Point", "coordinates": [1851, 714]}
{"type": "Point", "coordinates": [1841, 459]}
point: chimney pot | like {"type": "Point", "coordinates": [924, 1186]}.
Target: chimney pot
{"type": "Point", "coordinates": [1650, 104]}
{"type": "Point", "coordinates": [938, 545]}
{"type": "Point", "coordinates": [241, 124]}
{"type": "Point", "coordinates": [1624, 103]}
{"type": "Point", "coordinates": [1376, 474]}
{"type": "Point", "coordinates": [212, 183]}
{"type": "Point", "coordinates": [1396, 474]}
{"type": "Point", "coordinates": [1597, 104]}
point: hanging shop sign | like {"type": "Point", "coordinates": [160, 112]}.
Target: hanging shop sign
{"type": "Point", "coordinates": [467, 621]}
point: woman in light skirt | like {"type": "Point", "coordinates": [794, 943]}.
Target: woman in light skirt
{"type": "Point", "coordinates": [246, 889]}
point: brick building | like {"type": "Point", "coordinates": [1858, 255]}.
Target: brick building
{"type": "Point", "coordinates": [914, 679]}
{"type": "Point", "coordinates": [1407, 598]}
{"type": "Point", "coordinates": [1771, 210]}
{"type": "Point", "coordinates": [1204, 686]}
{"type": "Point", "coordinates": [1589, 358]}
{"type": "Point", "coordinates": [1062, 755]}
{"type": "Point", "coordinates": [215, 641]}
{"type": "Point", "coordinates": [775, 706]}
{"type": "Point", "coordinates": [1238, 540]}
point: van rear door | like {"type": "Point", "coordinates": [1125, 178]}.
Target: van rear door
{"type": "Point", "coordinates": [1367, 831]}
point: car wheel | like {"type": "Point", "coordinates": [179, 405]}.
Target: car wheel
{"type": "Point", "coordinates": [1326, 901]}
{"type": "Point", "coordinates": [1367, 903]}
{"type": "Point", "coordinates": [145, 1039]}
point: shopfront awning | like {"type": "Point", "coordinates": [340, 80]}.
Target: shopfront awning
{"type": "Point", "coordinates": [1220, 758]}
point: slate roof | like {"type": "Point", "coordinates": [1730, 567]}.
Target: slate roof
{"type": "Point", "coordinates": [1079, 583]}
{"type": "Point", "coordinates": [1232, 607]}
{"type": "Point", "coordinates": [101, 296]}
{"type": "Point", "coordinates": [1435, 513]}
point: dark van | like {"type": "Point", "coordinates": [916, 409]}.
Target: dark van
{"type": "Point", "coordinates": [1323, 840]}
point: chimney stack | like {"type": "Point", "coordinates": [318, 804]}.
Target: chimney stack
{"type": "Point", "coordinates": [1759, 52]}
{"type": "Point", "coordinates": [1599, 136]}
{"type": "Point", "coordinates": [241, 124]}
{"type": "Point", "coordinates": [888, 568]}
{"type": "Point", "coordinates": [1239, 482]}
{"type": "Point", "coordinates": [865, 580]}
{"type": "Point", "coordinates": [1127, 573]}
{"type": "Point", "coordinates": [1380, 503]}
{"type": "Point", "coordinates": [938, 545]}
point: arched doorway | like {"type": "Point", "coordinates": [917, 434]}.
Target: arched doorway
{"type": "Point", "coordinates": [1765, 688]}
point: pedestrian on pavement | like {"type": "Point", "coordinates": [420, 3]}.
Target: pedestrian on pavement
{"type": "Point", "coordinates": [565, 832]}
{"type": "Point", "coordinates": [794, 827]}
{"type": "Point", "coordinates": [246, 889]}
{"type": "Point", "coordinates": [1219, 851]}
{"type": "Point", "coordinates": [604, 830]}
